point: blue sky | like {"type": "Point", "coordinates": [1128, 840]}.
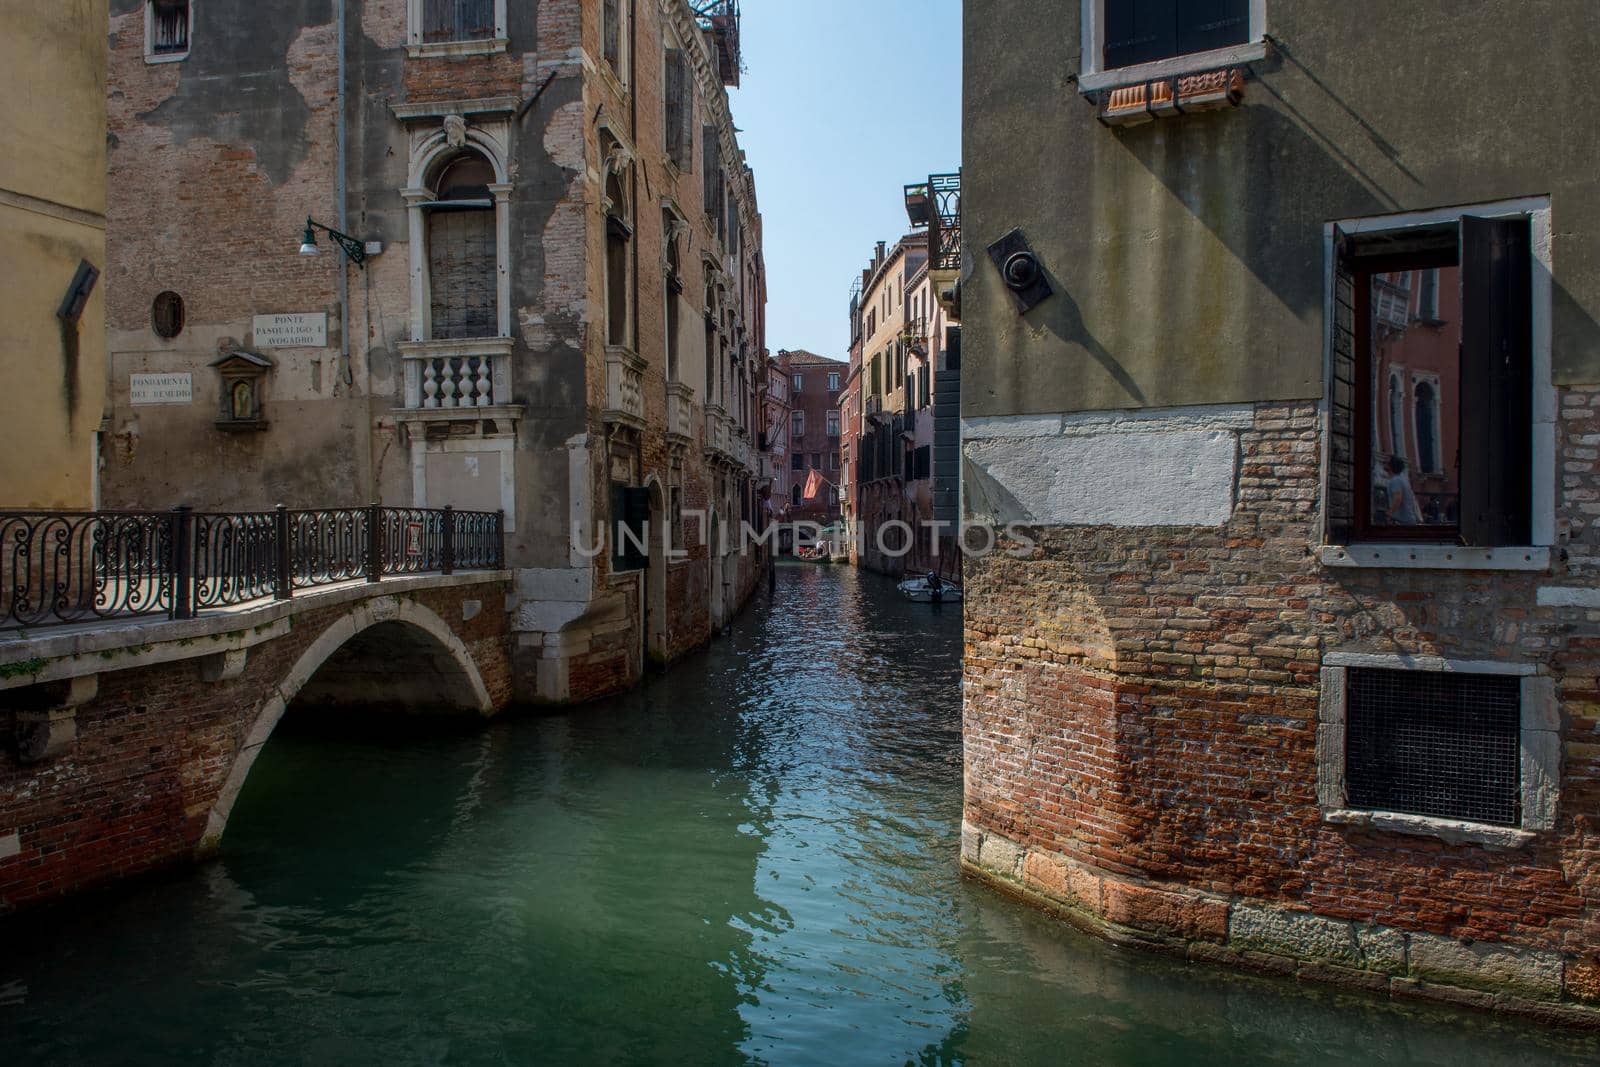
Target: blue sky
{"type": "Point", "coordinates": [842, 104]}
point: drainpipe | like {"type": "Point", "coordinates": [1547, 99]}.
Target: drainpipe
{"type": "Point", "coordinates": [343, 370]}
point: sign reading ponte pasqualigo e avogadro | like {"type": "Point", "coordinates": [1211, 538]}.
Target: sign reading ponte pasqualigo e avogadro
{"type": "Point", "coordinates": [291, 330]}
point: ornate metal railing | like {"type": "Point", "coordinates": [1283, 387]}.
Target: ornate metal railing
{"type": "Point", "coordinates": [76, 566]}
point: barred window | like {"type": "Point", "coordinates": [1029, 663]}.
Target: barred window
{"type": "Point", "coordinates": [1435, 743]}
{"type": "Point", "coordinates": [457, 20]}
{"type": "Point", "coordinates": [168, 23]}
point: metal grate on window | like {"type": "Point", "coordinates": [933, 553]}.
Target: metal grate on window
{"type": "Point", "coordinates": [170, 30]}
{"type": "Point", "coordinates": [1434, 743]}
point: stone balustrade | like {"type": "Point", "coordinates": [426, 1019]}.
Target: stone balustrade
{"type": "Point", "coordinates": [624, 386]}
{"type": "Point", "coordinates": [457, 373]}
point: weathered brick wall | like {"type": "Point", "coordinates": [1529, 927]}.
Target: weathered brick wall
{"type": "Point", "coordinates": [1141, 710]}
{"type": "Point", "coordinates": [155, 745]}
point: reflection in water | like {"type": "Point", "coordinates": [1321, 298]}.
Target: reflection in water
{"type": "Point", "coordinates": [751, 859]}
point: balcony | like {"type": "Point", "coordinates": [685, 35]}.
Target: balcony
{"type": "Point", "coordinates": [624, 387]}
{"type": "Point", "coordinates": [680, 403]}
{"type": "Point", "coordinates": [717, 431]}
{"type": "Point", "coordinates": [445, 375]}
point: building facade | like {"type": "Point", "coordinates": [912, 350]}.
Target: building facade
{"type": "Point", "coordinates": [815, 435]}
{"type": "Point", "coordinates": [905, 332]}
{"type": "Point", "coordinates": [1288, 387]}
{"type": "Point", "coordinates": [52, 242]}
{"type": "Point", "coordinates": [550, 302]}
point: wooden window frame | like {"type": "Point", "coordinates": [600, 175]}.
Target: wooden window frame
{"type": "Point", "coordinates": [1340, 548]}
{"type": "Point", "coordinates": [418, 47]}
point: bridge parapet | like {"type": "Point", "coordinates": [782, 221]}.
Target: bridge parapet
{"type": "Point", "coordinates": [65, 567]}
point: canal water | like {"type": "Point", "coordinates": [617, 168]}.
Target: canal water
{"type": "Point", "coordinates": [752, 859]}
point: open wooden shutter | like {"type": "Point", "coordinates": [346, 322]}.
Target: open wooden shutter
{"type": "Point", "coordinates": [1496, 380]}
{"type": "Point", "coordinates": [1342, 450]}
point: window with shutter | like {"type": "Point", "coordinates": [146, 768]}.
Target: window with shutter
{"type": "Point", "coordinates": [457, 20]}
{"type": "Point", "coordinates": [1143, 31]}
{"type": "Point", "coordinates": [611, 30]}
{"type": "Point", "coordinates": [678, 108]}
{"type": "Point", "coordinates": [1431, 384]}
{"type": "Point", "coordinates": [711, 146]}
{"type": "Point", "coordinates": [630, 527]}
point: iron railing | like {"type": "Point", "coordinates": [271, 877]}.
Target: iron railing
{"type": "Point", "coordinates": [77, 566]}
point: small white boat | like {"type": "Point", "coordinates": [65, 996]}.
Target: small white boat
{"type": "Point", "coordinates": [930, 589]}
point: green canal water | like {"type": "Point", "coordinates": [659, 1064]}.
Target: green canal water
{"type": "Point", "coordinates": [752, 859]}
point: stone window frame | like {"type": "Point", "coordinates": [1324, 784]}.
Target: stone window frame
{"type": "Point", "coordinates": [1440, 556]}
{"type": "Point", "coordinates": [1540, 745]}
{"type": "Point", "coordinates": [150, 55]}
{"type": "Point", "coordinates": [417, 48]}
{"type": "Point", "coordinates": [1093, 77]}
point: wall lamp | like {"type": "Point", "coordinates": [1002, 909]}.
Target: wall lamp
{"type": "Point", "coordinates": [351, 247]}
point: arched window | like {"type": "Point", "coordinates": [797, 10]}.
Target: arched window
{"type": "Point", "coordinates": [673, 285]}
{"type": "Point", "coordinates": [794, 495]}
{"type": "Point", "coordinates": [1397, 415]}
{"type": "Point", "coordinates": [461, 249]}
{"type": "Point", "coordinates": [1427, 421]}
{"type": "Point", "coordinates": [619, 232]}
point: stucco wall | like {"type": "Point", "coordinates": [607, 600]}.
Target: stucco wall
{"type": "Point", "coordinates": [52, 216]}
{"type": "Point", "coordinates": [1187, 269]}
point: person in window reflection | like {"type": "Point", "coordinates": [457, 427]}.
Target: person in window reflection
{"type": "Point", "coordinates": [1403, 510]}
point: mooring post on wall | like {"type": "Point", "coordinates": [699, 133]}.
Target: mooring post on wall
{"type": "Point", "coordinates": [182, 539]}
{"type": "Point", "coordinates": [374, 542]}
{"type": "Point", "coordinates": [283, 575]}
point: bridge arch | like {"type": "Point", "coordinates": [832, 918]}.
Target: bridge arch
{"type": "Point", "coordinates": [442, 672]}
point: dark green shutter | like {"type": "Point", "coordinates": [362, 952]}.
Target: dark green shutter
{"type": "Point", "coordinates": [1138, 31]}
{"type": "Point", "coordinates": [630, 510]}
{"type": "Point", "coordinates": [1496, 380]}
{"type": "Point", "coordinates": [1207, 24]}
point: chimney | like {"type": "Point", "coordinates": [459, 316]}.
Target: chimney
{"type": "Point", "coordinates": [879, 258]}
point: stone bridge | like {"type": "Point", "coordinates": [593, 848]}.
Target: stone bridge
{"type": "Point", "coordinates": [126, 741]}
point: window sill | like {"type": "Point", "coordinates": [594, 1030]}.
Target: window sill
{"type": "Point", "coordinates": [1402, 556]}
{"type": "Point", "coordinates": [1453, 831]}
{"type": "Point", "coordinates": [172, 57]}
{"type": "Point", "coordinates": [1176, 67]}
{"type": "Point", "coordinates": [484, 47]}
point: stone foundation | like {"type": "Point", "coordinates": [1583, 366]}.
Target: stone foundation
{"type": "Point", "coordinates": [1286, 942]}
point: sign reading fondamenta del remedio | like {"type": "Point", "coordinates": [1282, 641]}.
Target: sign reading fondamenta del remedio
{"type": "Point", "coordinates": [161, 388]}
{"type": "Point", "coordinates": [297, 330]}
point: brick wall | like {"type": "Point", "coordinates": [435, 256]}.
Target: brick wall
{"type": "Point", "coordinates": [1141, 710]}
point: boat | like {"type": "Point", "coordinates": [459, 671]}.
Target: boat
{"type": "Point", "coordinates": [930, 588]}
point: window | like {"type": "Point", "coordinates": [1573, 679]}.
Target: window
{"type": "Point", "coordinates": [462, 280]}
{"type": "Point", "coordinates": [457, 20]}
{"type": "Point", "coordinates": [1426, 421]}
{"type": "Point", "coordinates": [166, 315]}
{"type": "Point", "coordinates": [455, 27]}
{"type": "Point", "coordinates": [794, 496]}
{"type": "Point", "coordinates": [816, 461]}
{"type": "Point", "coordinates": [711, 179]}
{"type": "Point", "coordinates": [797, 462]}
{"type": "Point", "coordinates": [672, 285]}
{"type": "Point", "coordinates": [1434, 743]}
{"type": "Point", "coordinates": [630, 527]}
{"type": "Point", "coordinates": [833, 461]}
{"type": "Point", "coordinates": [619, 260]}
{"type": "Point", "coordinates": [1452, 463]}
{"type": "Point", "coordinates": [833, 424]}
{"type": "Point", "coordinates": [1142, 31]}
{"type": "Point", "coordinates": [833, 381]}
{"type": "Point", "coordinates": [612, 13]}
{"type": "Point", "coordinates": [166, 30]}
{"type": "Point", "coordinates": [1428, 297]}
{"type": "Point", "coordinates": [797, 424]}
{"type": "Point", "coordinates": [680, 109]}
{"type": "Point", "coordinates": [799, 382]}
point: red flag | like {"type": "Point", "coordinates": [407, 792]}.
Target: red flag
{"type": "Point", "coordinates": [813, 487]}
